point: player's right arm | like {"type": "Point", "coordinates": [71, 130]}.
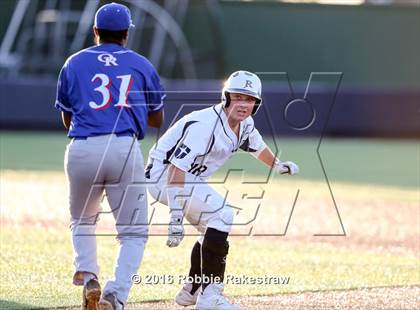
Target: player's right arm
{"type": "Point", "coordinates": [62, 101]}
{"type": "Point", "coordinates": [192, 144]}
{"type": "Point", "coordinates": [176, 176]}
{"type": "Point", "coordinates": [176, 180]}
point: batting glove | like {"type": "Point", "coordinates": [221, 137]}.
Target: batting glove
{"type": "Point", "coordinates": [286, 167]}
{"type": "Point", "coordinates": [175, 229]}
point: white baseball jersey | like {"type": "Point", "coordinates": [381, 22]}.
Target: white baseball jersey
{"type": "Point", "coordinates": [202, 141]}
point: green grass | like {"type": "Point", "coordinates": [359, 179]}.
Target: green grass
{"type": "Point", "coordinates": [36, 267]}
{"type": "Point", "coordinates": [36, 259]}
{"type": "Point", "coordinates": [359, 161]}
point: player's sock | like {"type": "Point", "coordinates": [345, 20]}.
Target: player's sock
{"type": "Point", "coordinates": [195, 269]}
{"type": "Point", "coordinates": [213, 252]}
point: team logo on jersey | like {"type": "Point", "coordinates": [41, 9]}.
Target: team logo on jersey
{"type": "Point", "coordinates": [248, 83]}
{"type": "Point", "coordinates": [108, 59]}
{"type": "Point", "coordinates": [182, 151]}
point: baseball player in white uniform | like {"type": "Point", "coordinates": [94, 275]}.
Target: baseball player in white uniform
{"type": "Point", "coordinates": [179, 164]}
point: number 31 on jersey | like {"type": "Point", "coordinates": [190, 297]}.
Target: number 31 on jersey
{"type": "Point", "coordinates": [104, 89]}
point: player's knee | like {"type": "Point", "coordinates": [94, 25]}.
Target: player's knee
{"type": "Point", "coordinates": [84, 219]}
{"type": "Point", "coordinates": [216, 242]}
{"type": "Point", "coordinates": [223, 220]}
{"type": "Point", "coordinates": [227, 215]}
{"type": "Point", "coordinates": [137, 240]}
{"type": "Point", "coordinates": [82, 229]}
{"type": "Point", "coordinates": [154, 191]}
{"type": "Point", "coordinates": [138, 233]}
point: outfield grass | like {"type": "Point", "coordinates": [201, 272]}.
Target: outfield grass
{"type": "Point", "coordinates": [36, 267]}
{"type": "Point", "coordinates": [358, 161]}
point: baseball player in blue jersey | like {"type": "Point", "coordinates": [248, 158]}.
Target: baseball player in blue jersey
{"type": "Point", "coordinates": [108, 95]}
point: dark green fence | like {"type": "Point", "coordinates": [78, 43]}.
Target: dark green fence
{"type": "Point", "coordinates": [375, 46]}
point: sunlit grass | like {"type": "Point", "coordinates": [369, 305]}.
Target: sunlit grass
{"type": "Point", "coordinates": [380, 248]}
{"type": "Point", "coordinates": [36, 267]}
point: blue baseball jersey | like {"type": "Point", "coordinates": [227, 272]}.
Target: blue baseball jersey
{"type": "Point", "coordinates": [108, 89]}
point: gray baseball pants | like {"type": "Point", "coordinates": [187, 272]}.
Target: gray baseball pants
{"type": "Point", "coordinates": [114, 166]}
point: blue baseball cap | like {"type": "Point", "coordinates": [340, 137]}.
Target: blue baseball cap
{"type": "Point", "coordinates": [114, 17]}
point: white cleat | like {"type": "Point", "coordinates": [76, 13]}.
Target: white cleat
{"type": "Point", "coordinates": [212, 299]}
{"type": "Point", "coordinates": [184, 297]}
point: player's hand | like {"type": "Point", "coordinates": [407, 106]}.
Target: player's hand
{"type": "Point", "coordinates": [286, 167]}
{"type": "Point", "coordinates": [291, 167]}
{"type": "Point", "coordinates": [175, 229]}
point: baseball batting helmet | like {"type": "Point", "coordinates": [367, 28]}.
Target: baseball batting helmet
{"type": "Point", "coordinates": [243, 82]}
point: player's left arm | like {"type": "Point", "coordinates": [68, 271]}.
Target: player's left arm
{"type": "Point", "coordinates": [267, 156]}
{"type": "Point", "coordinates": [155, 119]}
{"type": "Point", "coordinates": [256, 146]}
{"type": "Point", "coordinates": [282, 167]}
{"type": "Point", "coordinates": [155, 95]}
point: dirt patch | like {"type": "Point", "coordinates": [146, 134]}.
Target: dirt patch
{"type": "Point", "coordinates": [374, 298]}
{"type": "Point", "coordinates": [367, 298]}
{"type": "Point", "coordinates": [372, 216]}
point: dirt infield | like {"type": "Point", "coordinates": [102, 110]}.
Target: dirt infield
{"type": "Point", "coordinates": [368, 298]}
{"type": "Point", "coordinates": [374, 217]}
{"type": "Point", "coordinates": [372, 298]}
